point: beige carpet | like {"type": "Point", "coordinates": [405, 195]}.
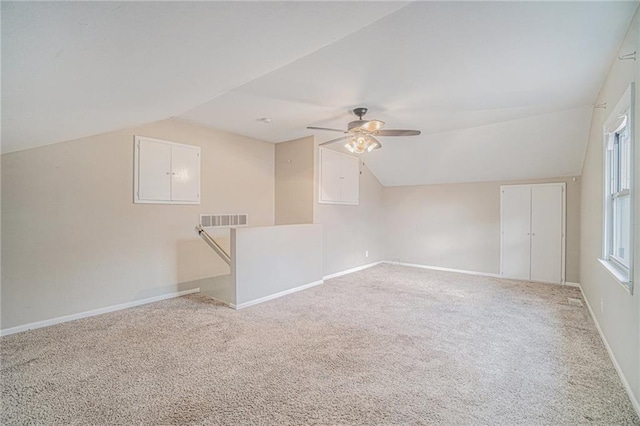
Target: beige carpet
{"type": "Point", "coordinates": [388, 345]}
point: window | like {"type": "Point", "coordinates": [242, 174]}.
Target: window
{"type": "Point", "coordinates": [618, 162]}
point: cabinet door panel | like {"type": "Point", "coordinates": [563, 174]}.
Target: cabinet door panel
{"type": "Point", "coordinates": [185, 176]}
{"type": "Point", "coordinates": [154, 171]}
{"type": "Point", "coordinates": [546, 233]}
{"type": "Point", "coordinates": [330, 176]}
{"type": "Point", "coordinates": [350, 179]}
{"type": "Point", "coordinates": [516, 226]}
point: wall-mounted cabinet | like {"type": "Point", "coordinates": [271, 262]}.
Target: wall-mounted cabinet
{"type": "Point", "coordinates": [166, 172]}
{"type": "Point", "coordinates": [339, 178]}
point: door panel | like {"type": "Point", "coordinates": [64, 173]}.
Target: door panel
{"type": "Point", "coordinates": [330, 175]}
{"type": "Point", "coordinates": [515, 220]}
{"type": "Point", "coordinates": [350, 179]}
{"type": "Point", "coordinates": [546, 233]}
{"type": "Point", "coordinates": [154, 171]}
{"type": "Point", "coordinates": [185, 176]}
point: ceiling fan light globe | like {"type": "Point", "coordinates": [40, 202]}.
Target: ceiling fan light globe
{"type": "Point", "coordinates": [373, 146]}
{"type": "Point", "coordinates": [362, 143]}
{"type": "Point", "coordinates": [350, 147]}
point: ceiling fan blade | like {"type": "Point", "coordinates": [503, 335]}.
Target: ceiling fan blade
{"type": "Point", "coordinates": [397, 132]}
{"type": "Point", "coordinates": [326, 128]}
{"type": "Point", "coordinates": [372, 126]}
{"type": "Point", "coordinates": [335, 140]}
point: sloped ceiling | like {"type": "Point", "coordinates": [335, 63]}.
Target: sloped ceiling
{"type": "Point", "coordinates": [74, 69]}
{"type": "Point", "coordinates": [501, 90]}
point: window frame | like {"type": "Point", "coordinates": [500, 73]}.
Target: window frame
{"type": "Point", "coordinates": [621, 120]}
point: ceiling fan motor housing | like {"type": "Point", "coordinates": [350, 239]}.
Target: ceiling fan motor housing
{"type": "Point", "coordinates": [357, 123]}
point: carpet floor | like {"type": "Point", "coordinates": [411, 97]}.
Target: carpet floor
{"type": "Point", "coordinates": [387, 345]}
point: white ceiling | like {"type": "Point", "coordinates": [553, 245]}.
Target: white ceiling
{"type": "Point", "coordinates": [500, 90]}
{"type": "Point", "coordinates": [74, 69]}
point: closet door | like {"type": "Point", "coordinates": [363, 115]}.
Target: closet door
{"type": "Point", "coordinates": [515, 217]}
{"type": "Point", "coordinates": [547, 215]}
{"type": "Point", "coordinates": [154, 171]}
{"type": "Point", "coordinates": [350, 179]}
{"type": "Point", "coordinates": [339, 178]}
{"type": "Point", "coordinates": [330, 176]}
{"type": "Point", "coordinates": [185, 173]}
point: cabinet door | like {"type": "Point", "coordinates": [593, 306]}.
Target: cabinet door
{"type": "Point", "coordinates": [185, 173]}
{"type": "Point", "coordinates": [330, 176]}
{"type": "Point", "coordinates": [546, 233]}
{"type": "Point", "coordinates": [515, 218]}
{"type": "Point", "coordinates": [154, 171]}
{"type": "Point", "coordinates": [350, 179]}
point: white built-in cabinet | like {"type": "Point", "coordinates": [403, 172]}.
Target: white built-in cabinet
{"type": "Point", "coordinates": [166, 172]}
{"type": "Point", "coordinates": [532, 228]}
{"type": "Point", "coordinates": [339, 177]}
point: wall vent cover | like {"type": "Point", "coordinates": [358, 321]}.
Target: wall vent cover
{"type": "Point", "coordinates": [223, 220]}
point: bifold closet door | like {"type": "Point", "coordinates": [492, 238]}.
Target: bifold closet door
{"type": "Point", "coordinates": [516, 227]}
{"type": "Point", "coordinates": [546, 233]}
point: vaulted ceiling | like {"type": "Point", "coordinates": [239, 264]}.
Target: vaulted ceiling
{"type": "Point", "coordinates": [500, 90]}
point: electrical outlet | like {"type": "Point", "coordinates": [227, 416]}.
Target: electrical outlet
{"type": "Point", "coordinates": [601, 305]}
{"type": "Point", "coordinates": [366, 253]}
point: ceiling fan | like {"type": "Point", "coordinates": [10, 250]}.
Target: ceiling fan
{"type": "Point", "coordinates": [361, 133]}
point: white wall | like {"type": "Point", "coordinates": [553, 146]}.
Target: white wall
{"type": "Point", "coordinates": [269, 260]}
{"type": "Point", "coordinates": [1, 325]}
{"type": "Point", "coordinates": [350, 231]}
{"type": "Point", "coordinates": [294, 181]}
{"type": "Point", "coordinates": [620, 317]}
{"type": "Point", "coordinates": [74, 241]}
{"type": "Point", "coordinates": [458, 225]}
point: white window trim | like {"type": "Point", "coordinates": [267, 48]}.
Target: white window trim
{"type": "Point", "coordinates": [625, 106]}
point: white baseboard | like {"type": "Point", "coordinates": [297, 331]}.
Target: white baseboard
{"type": "Point", "coordinates": [352, 270]}
{"type": "Point", "coordinates": [275, 296]}
{"type": "Point", "coordinates": [94, 312]}
{"type": "Point", "coordinates": [438, 268]}
{"type": "Point", "coordinates": [463, 271]}
{"type": "Point", "coordinates": [625, 383]}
